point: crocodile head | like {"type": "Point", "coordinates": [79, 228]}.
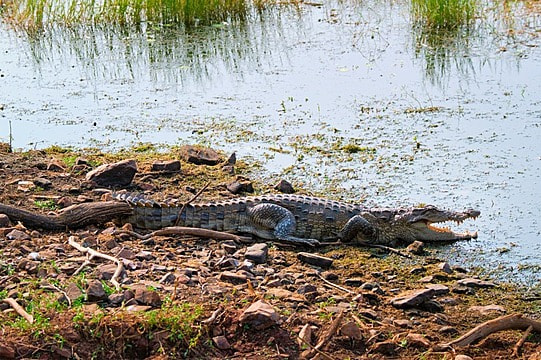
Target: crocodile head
{"type": "Point", "coordinates": [421, 223]}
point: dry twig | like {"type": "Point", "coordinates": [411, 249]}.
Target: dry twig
{"type": "Point", "coordinates": [520, 342]}
{"type": "Point", "coordinates": [91, 253]}
{"type": "Point", "coordinates": [326, 336]}
{"type": "Point", "coordinates": [19, 309]}
{"type": "Point", "coordinates": [507, 322]}
{"type": "Point", "coordinates": [182, 230]}
{"type": "Point", "coordinates": [177, 221]}
{"type": "Point", "coordinates": [334, 285]}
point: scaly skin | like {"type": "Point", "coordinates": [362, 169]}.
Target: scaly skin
{"type": "Point", "coordinates": [303, 219]}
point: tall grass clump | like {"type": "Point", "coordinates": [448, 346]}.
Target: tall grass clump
{"type": "Point", "coordinates": [443, 14]}
{"type": "Point", "coordinates": [42, 13]}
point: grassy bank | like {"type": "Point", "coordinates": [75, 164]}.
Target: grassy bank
{"type": "Point", "coordinates": [443, 14]}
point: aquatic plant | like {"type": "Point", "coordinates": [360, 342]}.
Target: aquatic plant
{"type": "Point", "coordinates": [36, 14]}
{"type": "Point", "coordinates": [443, 14]}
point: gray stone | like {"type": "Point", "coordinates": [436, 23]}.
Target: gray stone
{"type": "Point", "coordinates": [388, 348]}
{"type": "Point", "coordinates": [148, 297]}
{"type": "Point", "coordinates": [307, 288]}
{"type": "Point", "coordinates": [257, 253]}
{"type": "Point", "coordinates": [221, 342]}
{"type": "Point", "coordinates": [144, 255]}
{"type": "Point", "coordinates": [106, 271]}
{"type": "Point", "coordinates": [463, 357]}
{"type": "Point", "coordinates": [42, 183]}
{"type": "Point", "coordinates": [432, 306]}
{"type": "Point", "coordinates": [232, 277]}
{"type": "Point", "coordinates": [355, 282]}
{"type": "Point", "coordinates": [95, 291]}
{"type": "Point", "coordinates": [4, 220]}
{"type": "Point", "coordinates": [117, 174]}
{"type": "Point", "coordinates": [439, 289]}
{"type": "Point", "coordinates": [487, 309]}
{"type": "Point", "coordinates": [445, 267]}
{"type": "Point", "coordinates": [73, 292]}
{"type": "Point", "coordinates": [412, 299]}
{"type": "Point", "coordinates": [448, 330]}
{"type": "Point", "coordinates": [351, 330]}
{"type": "Point", "coordinates": [17, 235]}
{"type": "Point", "coordinates": [418, 341]}
{"type": "Point", "coordinates": [168, 278]}
{"type": "Point", "coordinates": [260, 315]}
{"type": "Point", "coordinates": [199, 155]}
{"type": "Point", "coordinates": [471, 282]}
{"type": "Point", "coordinates": [284, 186]}
{"type": "Point", "coordinates": [316, 260]}
{"type": "Point", "coordinates": [237, 187]}
{"type": "Point", "coordinates": [166, 166]}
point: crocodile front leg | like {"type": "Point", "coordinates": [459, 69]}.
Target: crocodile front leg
{"type": "Point", "coordinates": [356, 227]}
{"type": "Point", "coordinates": [273, 222]}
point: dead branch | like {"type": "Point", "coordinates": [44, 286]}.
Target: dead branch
{"type": "Point", "coordinates": [386, 248]}
{"type": "Point", "coordinates": [73, 217]}
{"type": "Point", "coordinates": [520, 342]}
{"type": "Point", "coordinates": [326, 335]}
{"type": "Point", "coordinates": [19, 309]}
{"type": "Point", "coordinates": [91, 253]}
{"type": "Point", "coordinates": [507, 322]}
{"type": "Point", "coordinates": [182, 230]}
{"type": "Point", "coordinates": [177, 221]}
{"type": "Point", "coordinates": [334, 285]}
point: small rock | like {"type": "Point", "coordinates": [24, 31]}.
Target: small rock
{"type": "Point", "coordinates": [147, 297]}
{"type": "Point", "coordinates": [284, 186]}
{"type": "Point", "coordinates": [221, 342]}
{"type": "Point", "coordinates": [471, 282]}
{"type": "Point", "coordinates": [257, 253]}
{"type": "Point", "coordinates": [279, 293]}
{"type": "Point", "coordinates": [413, 299]}
{"type": "Point", "coordinates": [126, 253]}
{"type": "Point", "coordinates": [417, 247]}
{"type": "Point", "coordinates": [487, 309]}
{"type": "Point", "coordinates": [355, 282]}
{"type": "Point", "coordinates": [42, 183]}
{"type": "Point", "coordinates": [403, 323]}
{"type": "Point", "coordinates": [368, 313]}
{"type": "Point", "coordinates": [237, 187]}
{"type": "Point", "coordinates": [418, 270]}
{"type": "Point", "coordinates": [246, 265]}
{"type": "Point", "coordinates": [387, 348]}
{"type": "Point", "coordinates": [166, 166]}
{"type": "Point", "coordinates": [95, 291]}
{"type": "Point", "coordinates": [463, 357]}
{"type": "Point", "coordinates": [307, 288]}
{"type": "Point", "coordinates": [351, 330]}
{"type": "Point", "coordinates": [106, 271]}
{"type": "Point", "coordinates": [305, 336]}
{"type": "Point", "coordinates": [232, 277]}
{"type": "Point", "coordinates": [7, 351]}
{"type": "Point", "coordinates": [17, 235]}
{"type": "Point", "coordinates": [144, 255]}
{"type": "Point", "coordinates": [110, 244]}
{"type": "Point", "coordinates": [199, 155]}
{"type": "Point", "coordinates": [445, 267]}
{"type": "Point", "coordinates": [316, 260]}
{"type": "Point", "coordinates": [4, 220]}
{"type": "Point", "coordinates": [117, 174]}
{"type": "Point", "coordinates": [448, 330]}
{"type": "Point", "coordinates": [439, 289]}
{"type": "Point", "coordinates": [137, 308]}
{"type": "Point", "coordinates": [55, 166]}
{"type": "Point", "coordinates": [116, 299]}
{"type": "Point", "coordinates": [328, 275]}
{"type": "Point", "coordinates": [64, 202]}
{"type": "Point", "coordinates": [260, 315]}
{"type": "Point", "coordinates": [232, 159]}
{"type": "Point", "coordinates": [418, 341]}
{"type": "Point", "coordinates": [168, 278]}
{"type": "Point", "coordinates": [432, 306]}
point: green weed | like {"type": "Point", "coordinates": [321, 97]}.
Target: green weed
{"type": "Point", "coordinates": [46, 204]}
{"type": "Point", "coordinates": [443, 14]}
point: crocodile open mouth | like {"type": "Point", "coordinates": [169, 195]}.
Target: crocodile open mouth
{"type": "Point", "coordinates": [448, 231]}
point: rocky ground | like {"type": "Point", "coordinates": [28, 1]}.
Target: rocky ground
{"type": "Point", "coordinates": [191, 297]}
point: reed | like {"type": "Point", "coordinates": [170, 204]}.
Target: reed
{"type": "Point", "coordinates": [443, 14]}
{"type": "Point", "coordinates": [42, 13]}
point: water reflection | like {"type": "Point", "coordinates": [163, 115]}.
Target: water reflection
{"type": "Point", "coordinates": [448, 52]}
{"type": "Point", "coordinates": [153, 52]}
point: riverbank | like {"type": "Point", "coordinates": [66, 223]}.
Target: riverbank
{"type": "Point", "coordinates": [201, 298]}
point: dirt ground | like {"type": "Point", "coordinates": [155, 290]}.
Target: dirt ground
{"type": "Point", "coordinates": [187, 297]}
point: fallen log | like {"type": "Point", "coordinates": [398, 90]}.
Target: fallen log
{"type": "Point", "coordinates": [73, 217]}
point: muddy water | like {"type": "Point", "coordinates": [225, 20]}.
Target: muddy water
{"type": "Point", "coordinates": [347, 100]}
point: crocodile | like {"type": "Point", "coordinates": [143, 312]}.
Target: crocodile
{"type": "Point", "coordinates": [302, 219]}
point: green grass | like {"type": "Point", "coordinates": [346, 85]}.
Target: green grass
{"type": "Point", "coordinates": [37, 14]}
{"type": "Point", "coordinates": [443, 14]}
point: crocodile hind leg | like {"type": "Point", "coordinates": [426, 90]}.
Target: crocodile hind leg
{"type": "Point", "coordinates": [358, 227]}
{"type": "Point", "coordinates": [273, 222]}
